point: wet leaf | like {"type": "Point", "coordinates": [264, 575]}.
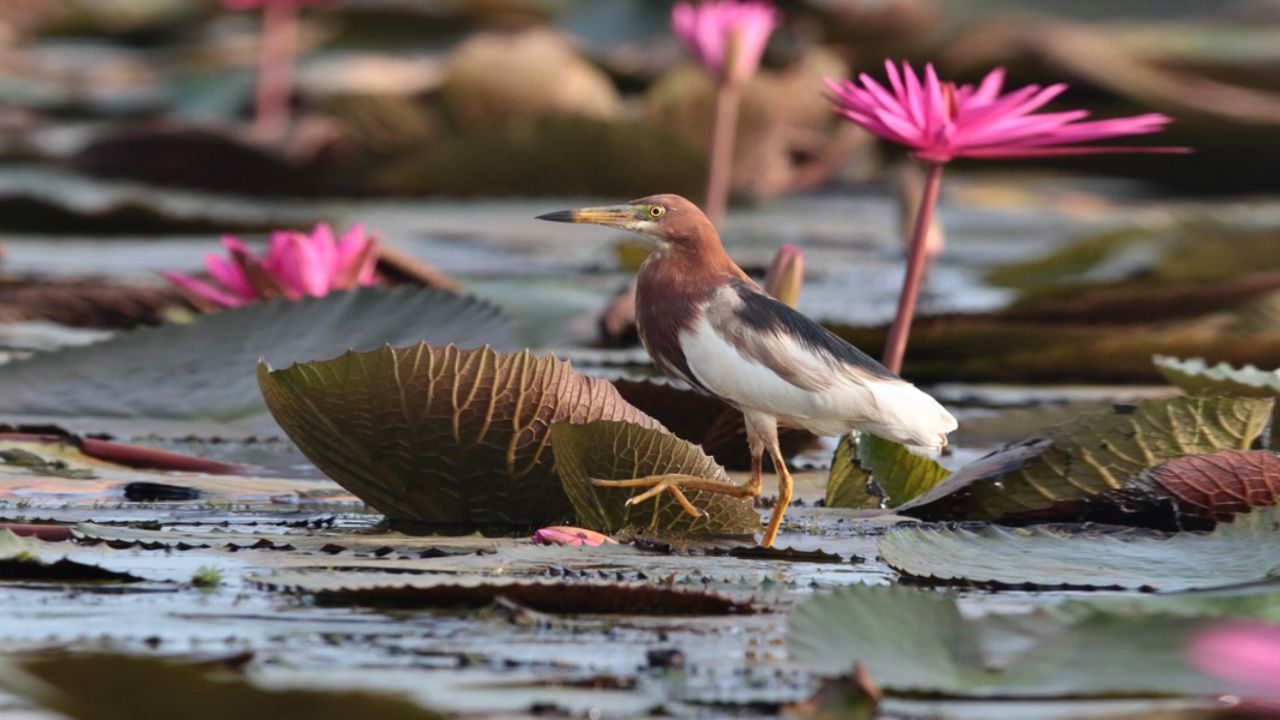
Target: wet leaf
{"type": "Point", "coordinates": [1088, 556]}
{"type": "Point", "coordinates": [1087, 457]}
{"type": "Point", "coordinates": [123, 687]}
{"type": "Point", "coordinates": [914, 641]}
{"type": "Point", "coordinates": [621, 451]}
{"type": "Point", "coordinates": [1217, 486]}
{"type": "Point", "coordinates": [703, 420]}
{"type": "Point", "coordinates": [1197, 377]}
{"type": "Point", "coordinates": [1257, 600]}
{"type": "Point", "coordinates": [897, 473]}
{"type": "Point", "coordinates": [376, 590]}
{"type": "Point", "coordinates": [204, 369]}
{"type": "Point", "coordinates": [439, 435]}
{"type": "Point", "coordinates": [848, 483]}
{"type": "Point", "coordinates": [24, 559]}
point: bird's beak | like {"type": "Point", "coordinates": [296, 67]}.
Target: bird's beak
{"type": "Point", "coordinates": [618, 216]}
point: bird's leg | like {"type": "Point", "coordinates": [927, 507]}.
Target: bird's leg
{"type": "Point", "coordinates": [784, 496]}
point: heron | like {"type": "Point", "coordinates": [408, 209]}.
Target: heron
{"type": "Point", "coordinates": [706, 322]}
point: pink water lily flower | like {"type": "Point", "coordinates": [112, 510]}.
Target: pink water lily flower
{"type": "Point", "coordinates": [1245, 653]}
{"type": "Point", "coordinates": [571, 536]}
{"type": "Point", "coordinates": [727, 36]}
{"type": "Point", "coordinates": [942, 121]}
{"type": "Point", "coordinates": [296, 265]}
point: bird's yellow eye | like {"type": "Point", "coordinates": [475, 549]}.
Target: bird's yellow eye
{"type": "Point", "coordinates": [656, 211]}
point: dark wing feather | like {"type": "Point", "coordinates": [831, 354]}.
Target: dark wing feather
{"type": "Point", "coordinates": [765, 314]}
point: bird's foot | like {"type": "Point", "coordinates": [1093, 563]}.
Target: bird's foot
{"type": "Point", "coordinates": [659, 484]}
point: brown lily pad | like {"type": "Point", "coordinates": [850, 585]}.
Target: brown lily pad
{"type": "Point", "coordinates": [443, 436]}
{"type": "Point", "coordinates": [88, 303]}
{"type": "Point", "coordinates": [1217, 486]}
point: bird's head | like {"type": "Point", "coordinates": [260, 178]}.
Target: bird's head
{"type": "Point", "coordinates": [668, 220]}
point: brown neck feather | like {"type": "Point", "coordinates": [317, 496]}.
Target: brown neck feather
{"type": "Point", "coordinates": [673, 285]}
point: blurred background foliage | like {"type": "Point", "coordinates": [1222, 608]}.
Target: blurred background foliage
{"type": "Point", "coordinates": [554, 97]}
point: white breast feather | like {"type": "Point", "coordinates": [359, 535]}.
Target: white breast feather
{"type": "Point", "coordinates": [895, 410]}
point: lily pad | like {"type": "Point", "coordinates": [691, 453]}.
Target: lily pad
{"type": "Point", "coordinates": [1088, 556]}
{"type": "Point", "coordinates": [849, 484]}
{"type": "Point", "coordinates": [377, 590]}
{"type": "Point", "coordinates": [912, 641]}
{"type": "Point", "coordinates": [23, 559]}
{"type": "Point", "coordinates": [1256, 600]}
{"type": "Point", "coordinates": [621, 451]}
{"type": "Point", "coordinates": [123, 687]}
{"type": "Point", "coordinates": [897, 473]}
{"type": "Point", "coordinates": [447, 437]}
{"type": "Point", "coordinates": [1090, 456]}
{"type": "Point", "coordinates": [1217, 486]}
{"type": "Point", "coordinates": [1197, 377]}
{"type": "Point", "coordinates": [204, 369]}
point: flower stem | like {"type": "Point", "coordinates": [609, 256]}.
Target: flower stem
{"type": "Point", "coordinates": [277, 47]}
{"type": "Point", "coordinates": [720, 172]}
{"type": "Point", "coordinates": [896, 345]}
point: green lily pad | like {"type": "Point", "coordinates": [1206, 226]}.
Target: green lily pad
{"type": "Point", "coordinates": [897, 473]}
{"type": "Point", "coordinates": [621, 451]}
{"type": "Point", "coordinates": [1256, 600]}
{"type": "Point", "coordinates": [1089, 457]}
{"type": "Point", "coordinates": [912, 641]}
{"type": "Point", "coordinates": [124, 687]}
{"type": "Point", "coordinates": [203, 370]}
{"type": "Point", "coordinates": [849, 485]}
{"type": "Point", "coordinates": [439, 435]}
{"type": "Point", "coordinates": [1088, 556]}
{"type": "Point", "coordinates": [1197, 377]}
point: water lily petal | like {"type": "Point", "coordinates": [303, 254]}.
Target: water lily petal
{"type": "Point", "coordinates": [203, 290]}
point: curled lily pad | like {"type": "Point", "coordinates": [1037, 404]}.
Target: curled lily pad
{"type": "Point", "coordinates": [1088, 556]}
{"type": "Point", "coordinates": [1090, 457]}
{"type": "Point", "coordinates": [849, 484]}
{"type": "Point", "coordinates": [703, 420]}
{"type": "Point", "coordinates": [440, 435]}
{"type": "Point", "coordinates": [622, 451]}
{"type": "Point", "coordinates": [1197, 377]}
{"type": "Point", "coordinates": [896, 474]}
{"type": "Point", "coordinates": [203, 370]}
